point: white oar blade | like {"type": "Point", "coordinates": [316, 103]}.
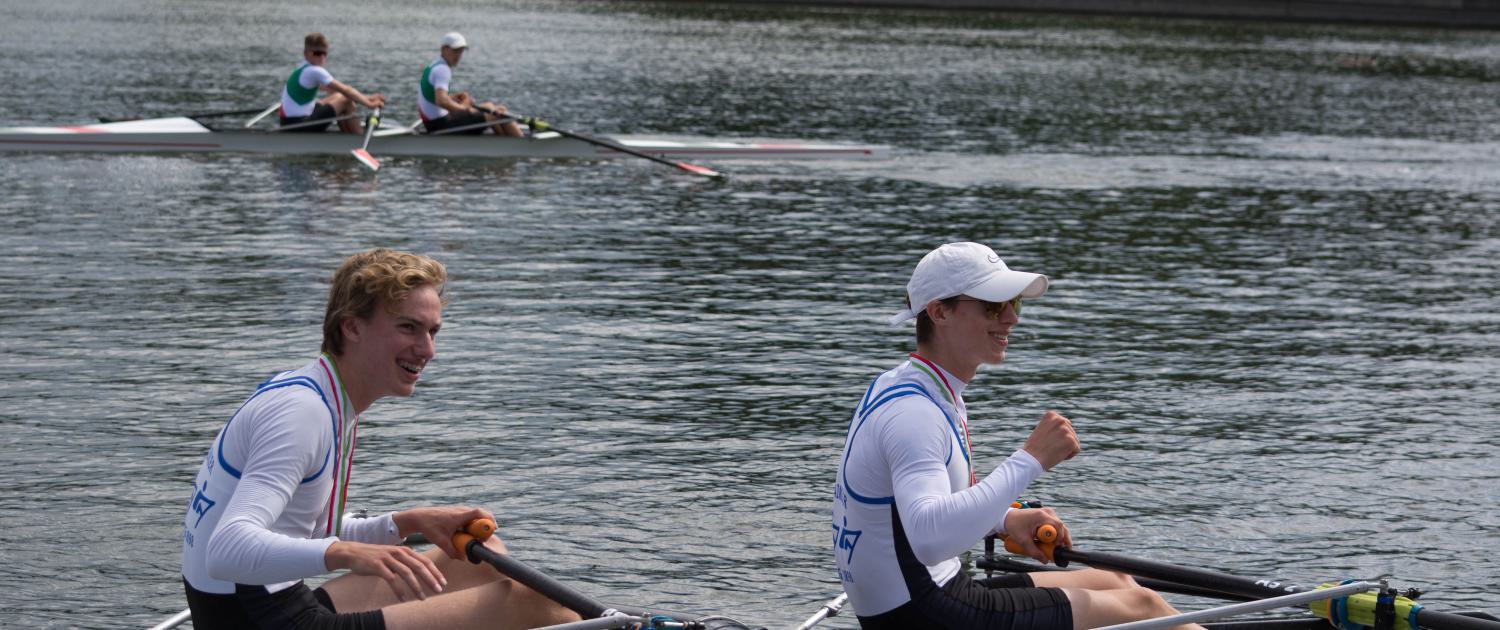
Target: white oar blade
{"type": "Point", "coordinates": [366, 159]}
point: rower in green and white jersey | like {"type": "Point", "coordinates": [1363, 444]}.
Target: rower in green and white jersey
{"type": "Point", "coordinates": [299, 97]}
{"type": "Point", "coordinates": [441, 109]}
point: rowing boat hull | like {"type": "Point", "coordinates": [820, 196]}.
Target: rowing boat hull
{"type": "Point", "coordinates": [183, 135]}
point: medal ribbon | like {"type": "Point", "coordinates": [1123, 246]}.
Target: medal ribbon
{"type": "Point", "coordinates": [343, 447]}
{"type": "Point", "coordinates": [936, 374]}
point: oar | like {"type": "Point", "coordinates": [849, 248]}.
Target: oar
{"type": "Point", "coordinates": [471, 540]}
{"type": "Point", "coordinates": [830, 609]}
{"type": "Point", "coordinates": [1259, 605]}
{"type": "Point", "coordinates": [175, 620]}
{"type": "Point", "coordinates": [310, 123]}
{"type": "Point", "coordinates": [398, 131]}
{"type": "Point", "coordinates": [215, 114]}
{"type": "Point", "coordinates": [263, 114]}
{"type": "Point", "coordinates": [362, 154]}
{"type": "Point", "coordinates": [1238, 586]}
{"type": "Point", "coordinates": [229, 112]}
{"type": "Point", "coordinates": [541, 125]}
{"type": "Point", "coordinates": [1000, 563]}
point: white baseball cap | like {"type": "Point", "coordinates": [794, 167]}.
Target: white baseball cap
{"type": "Point", "coordinates": [968, 269]}
{"type": "Point", "coordinates": [455, 40]}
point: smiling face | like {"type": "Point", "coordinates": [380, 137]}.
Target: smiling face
{"type": "Point", "coordinates": [968, 332]}
{"type": "Point", "coordinates": [978, 327]}
{"type": "Point", "coordinates": [384, 354]}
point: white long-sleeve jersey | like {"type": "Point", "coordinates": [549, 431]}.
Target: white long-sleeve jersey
{"type": "Point", "coordinates": [267, 501]}
{"type": "Point", "coordinates": [904, 507]}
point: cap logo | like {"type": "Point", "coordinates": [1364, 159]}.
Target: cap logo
{"type": "Point", "coordinates": [994, 259]}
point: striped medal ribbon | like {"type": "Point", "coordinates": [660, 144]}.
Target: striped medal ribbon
{"type": "Point", "coordinates": [936, 374]}
{"type": "Point", "coordinates": [343, 447]}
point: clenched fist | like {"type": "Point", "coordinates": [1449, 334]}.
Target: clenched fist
{"type": "Point", "coordinates": [1053, 440]}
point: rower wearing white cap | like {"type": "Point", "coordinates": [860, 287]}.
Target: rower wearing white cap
{"type": "Point", "coordinates": [907, 500]}
{"type": "Point", "coordinates": [301, 108]}
{"type": "Point", "coordinates": [441, 109]}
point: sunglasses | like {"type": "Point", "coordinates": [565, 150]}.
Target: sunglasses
{"type": "Point", "coordinates": [318, 53]}
{"type": "Point", "coordinates": [996, 310]}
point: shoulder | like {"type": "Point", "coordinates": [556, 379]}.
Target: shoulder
{"type": "Point", "coordinates": [915, 409]}
{"type": "Point", "coordinates": [288, 403]}
{"type": "Point", "coordinates": [908, 415]}
{"type": "Point", "coordinates": [319, 73]}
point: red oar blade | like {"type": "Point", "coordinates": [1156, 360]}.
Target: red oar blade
{"type": "Point", "coordinates": [693, 168]}
{"type": "Point", "coordinates": [366, 159]}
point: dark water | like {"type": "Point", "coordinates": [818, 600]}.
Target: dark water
{"type": "Point", "coordinates": [1275, 314]}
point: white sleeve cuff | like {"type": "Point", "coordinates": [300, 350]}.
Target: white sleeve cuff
{"type": "Point", "coordinates": [1026, 458]}
{"type": "Point", "coordinates": [378, 530]}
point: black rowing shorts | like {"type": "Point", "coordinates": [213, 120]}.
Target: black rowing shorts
{"type": "Point", "coordinates": [293, 608]}
{"type": "Point", "coordinates": [457, 119]}
{"type": "Point", "coordinates": [1013, 603]}
{"type": "Point", "coordinates": [320, 111]}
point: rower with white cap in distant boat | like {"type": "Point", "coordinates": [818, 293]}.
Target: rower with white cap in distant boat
{"type": "Point", "coordinates": [907, 501]}
{"type": "Point", "coordinates": [441, 109]}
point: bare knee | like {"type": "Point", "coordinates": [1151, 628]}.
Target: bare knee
{"type": "Point", "coordinates": [1142, 598]}
{"type": "Point", "coordinates": [1094, 608]}
{"type": "Point", "coordinates": [1091, 579]}
{"type": "Point", "coordinates": [1110, 580]}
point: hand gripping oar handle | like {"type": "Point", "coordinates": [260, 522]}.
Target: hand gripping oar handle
{"type": "Point", "coordinates": [1045, 537]}
{"type": "Point", "coordinates": [471, 540]}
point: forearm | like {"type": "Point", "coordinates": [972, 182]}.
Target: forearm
{"type": "Point", "coordinates": [349, 92]}
{"type": "Point", "coordinates": [445, 101]}
{"type": "Point", "coordinates": [941, 524]}
{"type": "Point", "coordinates": [245, 553]}
{"type": "Point", "coordinates": [377, 530]}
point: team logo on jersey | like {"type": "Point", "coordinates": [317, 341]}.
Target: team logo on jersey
{"type": "Point", "coordinates": [202, 504]}
{"type": "Point", "coordinates": [845, 538]}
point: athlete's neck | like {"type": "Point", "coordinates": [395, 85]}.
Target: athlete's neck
{"type": "Point", "coordinates": [954, 360]}
{"type": "Point", "coordinates": [353, 384]}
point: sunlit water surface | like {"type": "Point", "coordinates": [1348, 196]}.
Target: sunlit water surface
{"type": "Point", "coordinates": [1275, 310]}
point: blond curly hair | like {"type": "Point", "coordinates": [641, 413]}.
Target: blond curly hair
{"type": "Point", "coordinates": [384, 276]}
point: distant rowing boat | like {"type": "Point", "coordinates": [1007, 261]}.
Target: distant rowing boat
{"type": "Point", "coordinates": [187, 135]}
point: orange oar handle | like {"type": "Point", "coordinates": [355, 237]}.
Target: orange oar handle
{"type": "Point", "coordinates": [479, 529]}
{"type": "Point", "coordinates": [1045, 536]}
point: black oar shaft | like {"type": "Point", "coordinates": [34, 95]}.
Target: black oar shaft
{"type": "Point", "coordinates": [224, 113]}
{"type": "Point", "coordinates": [616, 146]}
{"type": "Point", "coordinates": [1202, 578]}
{"type": "Point", "coordinates": [1001, 563]}
{"type": "Point", "coordinates": [1449, 621]}
{"type": "Point", "coordinates": [309, 123]}
{"type": "Point", "coordinates": [214, 114]}
{"type": "Point", "coordinates": [585, 606]}
{"type": "Point", "coordinates": [608, 144]}
{"type": "Point", "coordinates": [1238, 586]}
